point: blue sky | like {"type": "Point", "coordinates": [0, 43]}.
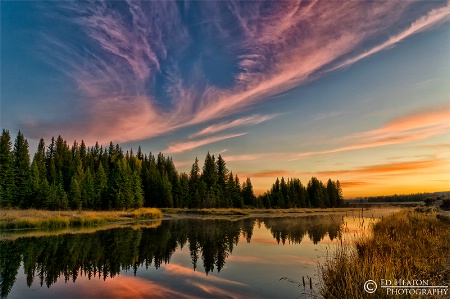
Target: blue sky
{"type": "Point", "coordinates": [352, 90]}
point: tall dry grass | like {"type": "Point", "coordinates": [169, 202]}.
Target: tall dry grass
{"type": "Point", "coordinates": [407, 245]}
{"type": "Point", "coordinates": [19, 219]}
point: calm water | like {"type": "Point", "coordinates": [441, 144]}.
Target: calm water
{"type": "Point", "coordinates": [176, 258]}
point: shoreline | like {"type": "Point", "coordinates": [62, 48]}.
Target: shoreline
{"type": "Point", "coordinates": [19, 221]}
{"type": "Point", "coordinates": [13, 219]}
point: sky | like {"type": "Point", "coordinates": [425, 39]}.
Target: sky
{"type": "Point", "coordinates": [355, 91]}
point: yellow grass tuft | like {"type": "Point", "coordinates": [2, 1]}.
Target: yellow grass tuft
{"type": "Point", "coordinates": [20, 219]}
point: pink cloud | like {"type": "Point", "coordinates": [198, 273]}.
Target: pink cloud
{"type": "Point", "coordinates": [282, 47]}
{"type": "Point", "coordinates": [250, 120]}
{"type": "Point", "coordinates": [399, 167]}
{"type": "Point", "coordinates": [412, 127]}
{"type": "Point", "coordinates": [189, 145]}
{"type": "Point", "coordinates": [433, 18]}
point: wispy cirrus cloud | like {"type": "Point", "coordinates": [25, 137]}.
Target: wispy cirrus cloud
{"type": "Point", "coordinates": [409, 128]}
{"type": "Point", "coordinates": [245, 121]}
{"type": "Point", "coordinates": [139, 76]}
{"type": "Point", "coordinates": [432, 18]}
{"type": "Point", "coordinates": [183, 146]}
{"type": "Point", "coordinates": [389, 168]}
{"type": "Point", "coordinates": [269, 174]}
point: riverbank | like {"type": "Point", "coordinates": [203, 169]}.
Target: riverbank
{"type": "Point", "coordinates": [22, 219]}
{"type": "Point", "coordinates": [12, 219]}
{"type": "Point", "coordinates": [250, 212]}
{"type": "Point", "coordinates": [409, 245]}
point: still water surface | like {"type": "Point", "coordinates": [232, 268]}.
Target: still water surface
{"type": "Point", "coordinates": [173, 258]}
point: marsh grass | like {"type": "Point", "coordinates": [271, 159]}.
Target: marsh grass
{"type": "Point", "coordinates": [256, 211]}
{"type": "Point", "coordinates": [408, 245]}
{"type": "Point", "coordinates": [22, 219]}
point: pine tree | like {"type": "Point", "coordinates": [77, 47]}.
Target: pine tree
{"type": "Point", "coordinates": [230, 190]}
{"type": "Point", "coordinates": [39, 159]}
{"type": "Point", "coordinates": [119, 189]}
{"type": "Point", "coordinates": [101, 182]}
{"type": "Point", "coordinates": [50, 162]}
{"type": "Point", "coordinates": [75, 194]}
{"type": "Point", "coordinates": [332, 194]}
{"type": "Point", "coordinates": [247, 194]}
{"type": "Point", "coordinates": [209, 174]}
{"type": "Point", "coordinates": [339, 194]}
{"type": "Point", "coordinates": [87, 190]}
{"type": "Point", "coordinates": [43, 195]}
{"type": "Point", "coordinates": [167, 199]}
{"type": "Point", "coordinates": [6, 170]}
{"type": "Point", "coordinates": [35, 185]}
{"type": "Point", "coordinates": [62, 200]}
{"type": "Point", "coordinates": [22, 172]}
{"type": "Point", "coordinates": [284, 194]}
{"type": "Point", "coordinates": [184, 191]}
{"type": "Point", "coordinates": [222, 175]}
{"type": "Point", "coordinates": [238, 201]}
{"type": "Point", "coordinates": [194, 185]}
{"type": "Point", "coordinates": [138, 200]}
{"type": "Point", "coordinates": [172, 175]}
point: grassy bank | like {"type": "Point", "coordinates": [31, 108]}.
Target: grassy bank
{"type": "Point", "coordinates": [20, 219]}
{"type": "Point", "coordinates": [245, 212]}
{"type": "Point", "coordinates": [411, 244]}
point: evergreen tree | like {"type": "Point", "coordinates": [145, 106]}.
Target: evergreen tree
{"type": "Point", "coordinates": [22, 172]}
{"type": "Point", "coordinates": [172, 175]}
{"type": "Point", "coordinates": [138, 199]}
{"type": "Point", "coordinates": [139, 154]}
{"type": "Point", "coordinates": [101, 182]}
{"type": "Point", "coordinates": [230, 190]}
{"type": "Point", "coordinates": [44, 190]}
{"type": "Point", "coordinates": [35, 185]}
{"type": "Point", "coordinates": [62, 201]}
{"type": "Point", "coordinates": [209, 174]}
{"type": "Point", "coordinates": [39, 159]}
{"type": "Point", "coordinates": [284, 202]}
{"type": "Point", "coordinates": [75, 194]}
{"type": "Point", "coordinates": [184, 191]}
{"type": "Point", "coordinates": [222, 175]}
{"type": "Point", "coordinates": [120, 186]}
{"type": "Point", "coordinates": [87, 190]}
{"type": "Point", "coordinates": [238, 201]}
{"type": "Point", "coordinates": [339, 194]}
{"type": "Point", "coordinates": [6, 170]}
{"type": "Point", "coordinates": [50, 162]}
{"type": "Point", "coordinates": [166, 192]}
{"type": "Point", "coordinates": [332, 194]}
{"type": "Point", "coordinates": [247, 194]}
{"type": "Point", "coordinates": [194, 185]}
{"type": "Point", "coordinates": [83, 152]}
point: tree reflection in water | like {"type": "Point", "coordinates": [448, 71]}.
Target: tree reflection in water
{"type": "Point", "coordinates": [105, 253]}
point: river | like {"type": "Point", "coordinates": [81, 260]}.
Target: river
{"type": "Point", "coordinates": [185, 257]}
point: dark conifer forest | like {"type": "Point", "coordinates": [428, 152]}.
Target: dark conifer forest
{"type": "Point", "coordinates": [80, 177]}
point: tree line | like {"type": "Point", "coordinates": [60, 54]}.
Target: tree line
{"type": "Point", "coordinates": [79, 177]}
{"type": "Point", "coordinates": [401, 197]}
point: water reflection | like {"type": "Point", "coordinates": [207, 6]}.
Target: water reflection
{"type": "Point", "coordinates": [104, 254]}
